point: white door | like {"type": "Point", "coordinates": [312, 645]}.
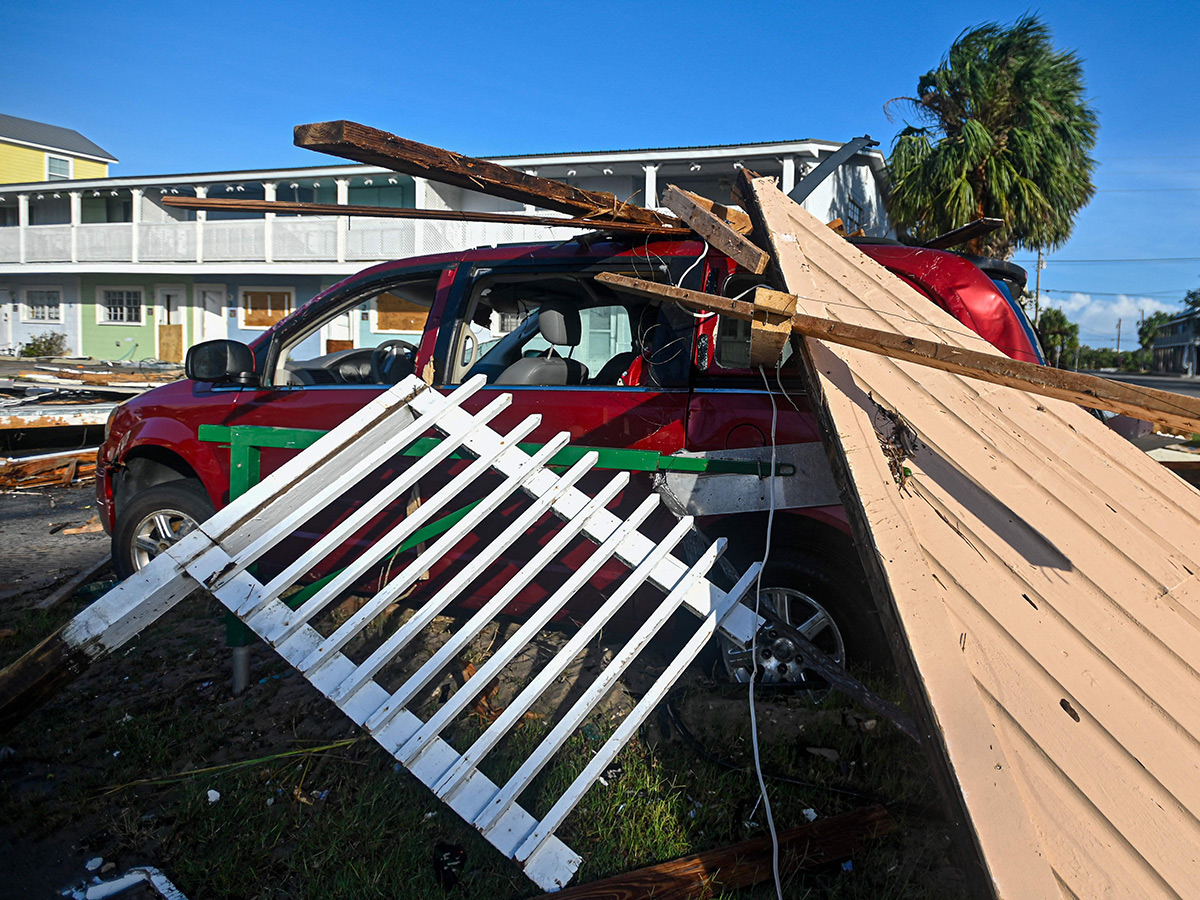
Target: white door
{"type": "Point", "coordinates": [211, 305]}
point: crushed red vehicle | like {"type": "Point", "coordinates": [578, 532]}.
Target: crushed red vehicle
{"type": "Point", "coordinates": [616, 371]}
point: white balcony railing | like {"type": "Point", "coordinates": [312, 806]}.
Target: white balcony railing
{"type": "Point", "coordinates": [309, 239]}
{"type": "Point", "coordinates": [104, 242]}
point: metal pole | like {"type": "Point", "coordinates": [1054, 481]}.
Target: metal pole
{"type": "Point", "coordinates": [1037, 290]}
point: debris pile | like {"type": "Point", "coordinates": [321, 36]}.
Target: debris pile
{"type": "Point", "coordinates": [1040, 574]}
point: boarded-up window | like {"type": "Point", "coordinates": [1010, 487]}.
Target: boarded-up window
{"type": "Point", "coordinates": [397, 314]}
{"type": "Point", "coordinates": [262, 309]}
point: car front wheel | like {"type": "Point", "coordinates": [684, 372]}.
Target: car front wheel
{"type": "Point", "coordinates": [156, 519]}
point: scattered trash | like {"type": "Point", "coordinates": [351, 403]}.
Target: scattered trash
{"type": "Point", "coordinates": [848, 866]}
{"type": "Point", "coordinates": [100, 890]}
{"type": "Point", "coordinates": [448, 862]}
{"type": "Point", "coordinates": [213, 796]}
{"type": "Point", "coordinates": [93, 864]}
{"type": "Point", "coordinates": [809, 814]}
{"type": "Point", "coordinates": [824, 752]}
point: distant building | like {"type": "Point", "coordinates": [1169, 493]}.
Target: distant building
{"type": "Point", "coordinates": [35, 151]}
{"type": "Point", "coordinates": [1175, 344]}
{"type": "Point", "coordinates": [125, 276]}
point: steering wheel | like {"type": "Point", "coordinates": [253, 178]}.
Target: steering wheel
{"type": "Point", "coordinates": [392, 361]}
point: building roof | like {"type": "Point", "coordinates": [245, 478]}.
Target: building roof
{"type": "Point", "coordinates": [51, 137]}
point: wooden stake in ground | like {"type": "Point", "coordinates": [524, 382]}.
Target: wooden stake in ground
{"type": "Point", "coordinates": [350, 140]}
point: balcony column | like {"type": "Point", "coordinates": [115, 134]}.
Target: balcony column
{"type": "Point", "coordinates": [76, 219]}
{"type": "Point", "coordinates": [529, 208]}
{"type": "Point", "coordinates": [789, 174]}
{"type": "Point", "coordinates": [269, 194]}
{"type": "Point", "coordinates": [420, 201]}
{"type": "Point", "coordinates": [650, 193]}
{"type": "Point", "coordinates": [201, 218]}
{"type": "Point", "coordinates": [343, 222]}
{"type": "Point", "coordinates": [22, 224]}
{"type": "Point", "coordinates": [135, 207]}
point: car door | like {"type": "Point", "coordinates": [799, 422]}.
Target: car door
{"type": "Point", "coordinates": [617, 380]}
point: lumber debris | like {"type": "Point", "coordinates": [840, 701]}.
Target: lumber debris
{"type": "Point", "coordinates": [441, 215]}
{"type": "Point", "coordinates": [47, 469]}
{"type": "Point", "coordinates": [714, 230]}
{"type": "Point", "coordinates": [1175, 412]}
{"type": "Point", "coordinates": [222, 552]}
{"type": "Point", "coordinates": [1043, 579]}
{"type": "Point", "coordinates": [67, 590]}
{"type": "Point", "coordinates": [361, 143]}
{"type": "Point", "coordinates": [703, 875]}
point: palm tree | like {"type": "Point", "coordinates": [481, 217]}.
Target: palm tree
{"type": "Point", "coordinates": [1005, 132]}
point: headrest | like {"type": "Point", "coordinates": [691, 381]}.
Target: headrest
{"type": "Point", "coordinates": [560, 324]}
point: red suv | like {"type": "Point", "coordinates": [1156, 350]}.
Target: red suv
{"type": "Point", "coordinates": [614, 370]}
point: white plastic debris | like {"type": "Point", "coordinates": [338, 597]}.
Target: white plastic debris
{"type": "Point", "coordinates": [213, 796]}
{"type": "Point", "coordinates": [94, 863]}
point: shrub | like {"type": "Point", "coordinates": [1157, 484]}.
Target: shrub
{"type": "Point", "coordinates": [51, 343]}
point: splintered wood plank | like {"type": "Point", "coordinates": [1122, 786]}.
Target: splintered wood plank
{"type": "Point", "coordinates": [441, 215]}
{"type": "Point", "coordinates": [351, 140]}
{"type": "Point", "coordinates": [717, 232]}
{"type": "Point", "coordinates": [1175, 411]}
{"type": "Point", "coordinates": [1041, 572]}
{"type": "Point", "coordinates": [701, 876]}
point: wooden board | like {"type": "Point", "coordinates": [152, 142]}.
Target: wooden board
{"type": "Point", "coordinates": [701, 876]}
{"type": "Point", "coordinates": [714, 230]}
{"type": "Point", "coordinates": [351, 140]}
{"type": "Point", "coordinates": [1174, 411]}
{"type": "Point", "coordinates": [1041, 575]}
{"type": "Point", "coordinates": [441, 215]}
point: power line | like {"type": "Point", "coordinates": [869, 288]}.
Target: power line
{"type": "Point", "coordinates": [1152, 294]}
{"type": "Point", "coordinates": [1142, 259]}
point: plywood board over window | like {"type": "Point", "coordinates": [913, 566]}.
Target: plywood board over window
{"type": "Point", "coordinates": [394, 313]}
{"type": "Point", "coordinates": [263, 308]}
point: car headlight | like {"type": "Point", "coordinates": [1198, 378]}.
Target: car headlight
{"type": "Point", "coordinates": [108, 422]}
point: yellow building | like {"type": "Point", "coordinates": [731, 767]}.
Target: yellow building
{"type": "Point", "coordinates": [35, 151]}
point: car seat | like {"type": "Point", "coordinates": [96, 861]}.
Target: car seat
{"type": "Point", "coordinates": [560, 325]}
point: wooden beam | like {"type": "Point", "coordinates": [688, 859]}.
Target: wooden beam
{"type": "Point", "coordinates": [351, 140]}
{"type": "Point", "coordinates": [1176, 411]}
{"type": "Point", "coordinates": [733, 217]}
{"type": "Point", "coordinates": [717, 232]}
{"type": "Point", "coordinates": [961, 235]}
{"type": "Point", "coordinates": [703, 875]}
{"type": "Point", "coordinates": [385, 212]}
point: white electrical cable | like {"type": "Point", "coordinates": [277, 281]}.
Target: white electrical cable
{"type": "Point", "coordinates": [762, 785]}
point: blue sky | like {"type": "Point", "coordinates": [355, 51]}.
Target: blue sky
{"type": "Point", "coordinates": [172, 87]}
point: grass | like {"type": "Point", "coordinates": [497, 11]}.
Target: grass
{"type": "Point", "coordinates": [122, 764]}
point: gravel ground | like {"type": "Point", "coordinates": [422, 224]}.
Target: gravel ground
{"type": "Point", "coordinates": [34, 552]}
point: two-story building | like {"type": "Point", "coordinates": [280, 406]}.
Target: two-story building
{"type": "Point", "coordinates": [1174, 348]}
{"type": "Point", "coordinates": [124, 276]}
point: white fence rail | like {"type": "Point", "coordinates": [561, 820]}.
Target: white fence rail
{"type": "Point", "coordinates": [361, 681]}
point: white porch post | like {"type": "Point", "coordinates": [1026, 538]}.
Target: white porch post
{"type": "Point", "coordinates": [343, 222]}
{"type": "Point", "coordinates": [420, 201]}
{"type": "Point", "coordinates": [201, 218]}
{"type": "Point", "coordinates": [136, 217]}
{"type": "Point", "coordinates": [269, 223]}
{"type": "Point", "coordinates": [22, 224]}
{"type": "Point", "coordinates": [789, 173]}
{"type": "Point", "coordinates": [76, 218]}
{"type": "Point", "coordinates": [650, 194]}
{"type": "Point", "coordinates": [529, 208]}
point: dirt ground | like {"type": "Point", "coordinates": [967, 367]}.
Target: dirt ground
{"type": "Point", "coordinates": [123, 767]}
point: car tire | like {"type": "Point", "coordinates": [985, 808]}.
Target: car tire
{"type": "Point", "coordinates": [826, 597]}
{"type": "Point", "coordinates": [154, 520]}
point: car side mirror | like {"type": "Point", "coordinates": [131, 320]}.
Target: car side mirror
{"type": "Point", "coordinates": [220, 362]}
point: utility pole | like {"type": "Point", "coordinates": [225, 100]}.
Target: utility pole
{"type": "Point", "coordinates": [1037, 289]}
{"type": "Point", "coordinates": [1118, 335]}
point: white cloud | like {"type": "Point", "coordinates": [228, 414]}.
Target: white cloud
{"type": "Point", "coordinates": [1097, 316]}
